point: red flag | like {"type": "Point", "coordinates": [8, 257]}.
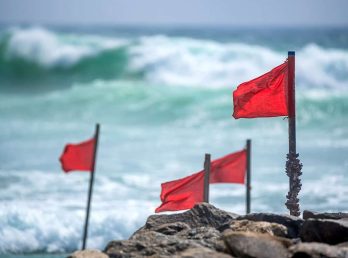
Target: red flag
{"type": "Point", "coordinates": [229, 169]}
{"type": "Point", "coordinates": [182, 194]}
{"type": "Point", "coordinates": [78, 156]}
{"type": "Point", "coordinates": [265, 96]}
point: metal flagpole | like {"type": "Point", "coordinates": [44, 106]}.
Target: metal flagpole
{"type": "Point", "coordinates": [206, 177]}
{"type": "Point", "coordinates": [293, 165]}
{"type": "Point", "coordinates": [248, 175]}
{"type": "Point", "coordinates": [85, 233]}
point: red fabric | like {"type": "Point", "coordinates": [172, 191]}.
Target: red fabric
{"type": "Point", "coordinates": [183, 193]}
{"type": "Point", "coordinates": [229, 169]}
{"type": "Point", "coordinates": [78, 156]}
{"type": "Point", "coordinates": [265, 96]}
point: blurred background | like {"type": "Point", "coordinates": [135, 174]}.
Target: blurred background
{"type": "Point", "coordinates": [159, 77]}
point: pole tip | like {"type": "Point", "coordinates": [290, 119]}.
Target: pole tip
{"type": "Point", "coordinates": [291, 53]}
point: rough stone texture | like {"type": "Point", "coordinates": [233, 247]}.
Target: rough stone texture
{"type": "Point", "coordinates": [256, 245]}
{"type": "Point", "coordinates": [88, 254]}
{"type": "Point", "coordinates": [344, 244]}
{"type": "Point", "coordinates": [201, 215]}
{"type": "Point", "coordinates": [205, 236]}
{"type": "Point", "coordinates": [273, 229]}
{"type": "Point", "coordinates": [155, 244]}
{"type": "Point", "coordinates": [293, 224]}
{"type": "Point", "coordinates": [202, 253]}
{"type": "Point", "coordinates": [325, 231]}
{"type": "Point", "coordinates": [317, 250]}
{"type": "Point", "coordinates": [325, 215]}
{"type": "Point", "coordinates": [206, 231]}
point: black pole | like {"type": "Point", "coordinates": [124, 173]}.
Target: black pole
{"type": "Point", "coordinates": [293, 165]}
{"type": "Point", "coordinates": [85, 232]}
{"type": "Point", "coordinates": [206, 177]}
{"type": "Point", "coordinates": [248, 175]}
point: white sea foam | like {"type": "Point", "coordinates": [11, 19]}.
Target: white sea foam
{"type": "Point", "coordinates": [193, 62]}
{"type": "Point", "coordinates": [182, 61]}
{"type": "Point", "coordinates": [50, 49]}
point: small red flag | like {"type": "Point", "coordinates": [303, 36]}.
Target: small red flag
{"type": "Point", "coordinates": [182, 194]}
{"type": "Point", "coordinates": [78, 156]}
{"type": "Point", "coordinates": [229, 169]}
{"type": "Point", "coordinates": [264, 96]}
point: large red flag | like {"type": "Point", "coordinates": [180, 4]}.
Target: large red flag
{"type": "Point", "coordinates": [264, 96]}
{"type": "Point", "coordinates": [78, 156]}
{"type": "Point", "coordinates": [183, 193]}
{"type": "Point", "coordinates": [229, 169]}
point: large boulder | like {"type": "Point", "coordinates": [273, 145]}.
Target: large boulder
{"type": "Point", "coordinates": [273, 229]}
{"type": "Point", "coordinates": [155, 244]}
{"type": "Point", "coordinates": [292, 223]}
{"type": "Point", "coordinates": [256, 245]}
{"type": "Point", "coordinates": [317, 250]}
{"type": "Point", "coordinates": [201, 215]}
{"type": "Point", "coordinates": [324, 215]}
{"type": "Point", "coordinates": [325, 231]}
{"type": "Point", "coordinates": [202, 253]}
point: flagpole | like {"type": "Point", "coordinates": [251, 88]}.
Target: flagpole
{"type": "Point", "coordinates": [85, 232]}
{"type": "Point", "coordinates": [293, 165]}
{"type": "Point", "coordinates": [206, 177]}
{"type": "Point", "coordinates": [248, 177]}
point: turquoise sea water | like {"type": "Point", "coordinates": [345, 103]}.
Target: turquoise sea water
{"type": "Point", "coordinates": [163, 98]}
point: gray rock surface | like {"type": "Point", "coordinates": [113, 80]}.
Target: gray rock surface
{"type": "Point", "coordinates": [273, 229]}
{"type": "Point", "coordinates": [324, 215]}
{"type": "Point", "coordinates": [317, 250]}
{"type": "Point", "coordinates": [292, 223]}
{"type": "Point", "coordinates": [325, 231]}
{"type": "Point", "coordinates": [156, 244]}
{"type": "Point", "coordinates": [201, 215]}
{"type": "Point", "coordinates": [256, 245]}
{"type": "Point", "coordinates": [205, 231]}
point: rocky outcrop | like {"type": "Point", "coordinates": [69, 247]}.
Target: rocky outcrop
{"type": "Point", "coordinates": [272, 229]}
{"type": "Point", "coordinates": [293, 224]}
{"type": "Point", "coordinates": [205, 231]}
{"type": "Point", "coordinates": [325, 231]}
{"type": "Point", "coordinates": [247, 244]}
{"type": "Point", "coordinates": [201, 215]}
{"type": "Point", "coordinates": [317, 250]}
{"type": "Point", "coordinates": [324, 215]}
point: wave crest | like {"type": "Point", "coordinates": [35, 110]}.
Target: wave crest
{"type": "Point", "coordinates": [48, 49]}
{"type": "Point", "coordinates": [160, 59]}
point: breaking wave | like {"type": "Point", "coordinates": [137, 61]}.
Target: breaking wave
{"type": "Point", "coordinates": [46, 56]}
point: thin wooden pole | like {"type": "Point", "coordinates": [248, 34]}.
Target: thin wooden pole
{"type": "Point", "coordinates": [293, 165]}
{"type": "Point", "coordinates": [206, 177]}
{"type": "Point", "coordinates": [248, 175]}
{"type": "Point", "coordinates": [85, 232]}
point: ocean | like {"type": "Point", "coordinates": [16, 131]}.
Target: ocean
{"type": "Point", "coordinates": [163, 97]}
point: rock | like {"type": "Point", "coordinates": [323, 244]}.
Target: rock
{"type": "Point", "coordinates": [325, 231]}
{"type": "Point", "coordinates": [343, 245]}
{"type": "Point", "coordinates": [147, 244]}
{"type": "Point", "coordinates": [256, 245]}
{"type": "Point", "coordinates": [205, 236]}
{"type": "Point", "coordinates": [202, 253]}
{"type": "Point", "coordinates": [88, 254]}
{"type": "Point", "coordinates": [201, 215]}
{"type": "Point", "coordinates": [273, 229]}
{"type": "Point", "coordinates": [150, 243]}
{"type": "Point", "coordinates": [170, 228]}
{"type": "Point", "coordinates": [325, 215]}
{"type": "Point", "coordinates": [292, 223]}
{"type": "Point", "coordinates": [316, 250]}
